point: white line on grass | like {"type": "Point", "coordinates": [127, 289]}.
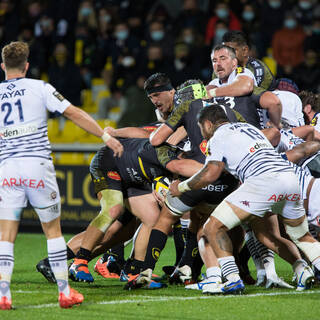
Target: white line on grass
{"type": "Point", "coordinates": [141, 299]}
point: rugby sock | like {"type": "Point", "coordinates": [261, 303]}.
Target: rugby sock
{"type": "Point", "coordinates": [228, 267]}
{"type": "Point", "coordinates": [316, 263]}
{"type": "Point", "coordinates": [84, 254]}
{"type": "Point", "coordinates": [134, 266]}
{"type": "Point", "coordinates": [197, 266]}
{"type": "Point", "coordinates": [6, 268]}
{"type": "Point", "coordinates": [214, 273]}
{"type": "Point", "coordinates": [179, 242]}
{"type": "Point", "coordinates": [57, 253]}
{"type": "Point", "coordinates": [299, 265]}
{"type": "Point", "coordinates": [118, 253]}
{"type": "Point", "coordinates": [190, 251]}
{"type": "Point", "coordinates": [267, 257]}
{"type": "Point", "coordinates": [157, 241]}
{"type": "Point", "coordinates": [253, 246]}
{"type": "Point", "coordinates": [70, 253]}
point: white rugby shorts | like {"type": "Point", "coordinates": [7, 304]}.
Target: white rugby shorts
{"type": "Point", "coordinates": [277, 192]}
{"type": "Point", "coordinates": [313, 213]}
{"type": "Point", "coordinates": [24, 179]}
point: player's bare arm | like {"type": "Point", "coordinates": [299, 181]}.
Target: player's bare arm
{"type": "Point", "coordinates": [160, 135]}
{"type": "Point", "coordinates": [208, 174]}
{"type": "Point", "coordinates": [303, 150]}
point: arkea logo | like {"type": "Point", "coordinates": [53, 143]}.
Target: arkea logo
{"type": "Point", "coordinates": [114, 175]}
{"type": "Point", "coordinates": [29, 183]}
{"type": "Point", "coordinates": [257, 146]}
{"type": "Point", "coordinates": [16, 132]}
{"type": "Point", "coordinates": [287, 197]}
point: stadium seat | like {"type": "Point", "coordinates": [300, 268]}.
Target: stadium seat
{"type": "Point", "coordinates": [107, 123]}
{"type": "Point", "coordinates": [71, 133]}
{"type": "Point", "coordinates": [53, 130]}
{"type": "Point", "coordinates": [71, 158]}
{"type": "Point", "coordinates": [88, 103]}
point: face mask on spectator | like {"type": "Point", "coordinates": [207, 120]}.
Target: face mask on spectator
{"type": "Point", "coordinates": [248, 15]}
{"type": "Point", "coordinates": [188, 39]}
{"type": "Point", "coordinates": [220, 33]}
{"type": "Point", "coordinates": [222, 13]}
{"type": "Point", "coordinates": [127, 61]}
{"type": "Point", "coordinates": [122, 34]}
{"type": "Point", "coordinates": [85, 11]}
{"type": "Point", "coordinates": [157, 35]}
{"type": "Point", "coordinates": [316, 30]}
{"type": "Point", "coordinates": [290, 23]}
{"type": "Point", "coordinates": [305, 5]}
{"type": "Point", "coordinates": [274, 4]}
{"type": "Point", "coordinates": [105, 18]}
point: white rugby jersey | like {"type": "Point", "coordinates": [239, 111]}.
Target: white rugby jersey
{"type": "Point", "coordinates": [23, 117]}
{"type": "Point", "coordinates": [233, 76]}
{"type": "Point", "coordinates": [288, 140]}
{"type": "Point", "coordinates": [245, 151]}
{"type": "Point", "coordinates": [291, 108]}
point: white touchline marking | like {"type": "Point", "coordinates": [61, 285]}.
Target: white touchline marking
{"type": "Point", "coordinates": [141, 299]}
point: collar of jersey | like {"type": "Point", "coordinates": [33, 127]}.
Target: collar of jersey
{"type": "Point", "coordinates": [11, 80]}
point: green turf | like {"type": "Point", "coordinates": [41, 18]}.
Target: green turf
{"type": "Point", "coordinates": [35, 298]}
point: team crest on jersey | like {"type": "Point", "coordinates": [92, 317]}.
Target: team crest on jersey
{"type": "Point", "coordinates": [239, 70]}
{"type": "Point", "coordinates": [114, 175]}
{"type": "Point", "coordinates": [53, 195]}
{"type": "Point", "coordinates": [314, 121]}
{"type": "Point", "coordinates": [58, 95]}
{"type": "Point", "coordinates": [203, 147]}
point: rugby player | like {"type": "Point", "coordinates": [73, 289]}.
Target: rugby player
{"type": "Point", "coordinates": [26, 169]}
{"type": "Point", "coordinates": [258, 169]}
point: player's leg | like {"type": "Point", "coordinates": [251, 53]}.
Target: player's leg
{"type": "Point", "coordinates": [8, 233]}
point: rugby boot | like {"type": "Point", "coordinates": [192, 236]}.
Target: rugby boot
{"type": "Point", "coordinates": [233, 286]}
{"type": "Point", "coordinates": [5, 303]}
{"type": "Point", "coordinates": [79, 271]}
{"type": "Point", "coordinates": [200, 285]}
{"type": "Point", "coordinates": [181, 275]}
{"type": "Point", "coordinates": [143, 280]}
{"type": "Point", "coordinates": [305, 279]}
{"type": "Point", "coordinates": [277, 283]}
{"type": "Point", "coordinates": [74, 298]}
{"type": "Point", "coordinates": [43, 266]}
{"type": "Point", "coordinates": [102, 269]}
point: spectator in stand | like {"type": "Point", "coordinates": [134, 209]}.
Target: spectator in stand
{"type": "Point", "coordinates": [185, 66]}
{"type": "Point", "coordinates": [87, 15]}
{"type": "Point", "coordinates": [32, 12]}
{"type": "Point", "coordinates": [154, 61]}
{"type": "Point", "coordinates": [287, 45]}
{"type": "Point", "coordinates": [157, 34]}
{"type": "Point", "coordinates": [9, 20]}
{"type": "Point", "coordinates": [137, 100]}
{"type": "Point", "coordinates": [271, 19]}
{"type": "Point", "coordinates": [37, 57]}
{"type": "Point", "coordinates": [221, 12]}
{"type": "Point", "coordinates": [304, 13]}
{"type": "Point", "coordinates": [64, 75]}
{"type": "Point", "coordinates": [221, 29]}
{"type": "Point", "coordinates": [191, 16]}
{"type": "Point", "coordinates": [250, 22]}
{"type": "Point", "coordinates": [307, 74]}
{"type": "Point", "coordinates": [85, 54]}
{"type": "Point", "coordinates": [312, 40]}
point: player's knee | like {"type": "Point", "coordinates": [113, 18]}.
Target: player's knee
{"type": "Point", "coordinates": [300, 236]}
{"type": "Point", "coordinates": [111, 207]}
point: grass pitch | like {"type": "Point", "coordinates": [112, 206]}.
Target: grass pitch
{"type": "Point", "coordinates": [35, 298]}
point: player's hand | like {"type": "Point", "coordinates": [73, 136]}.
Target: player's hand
{"type": "Point", "coordinates": [115, 146]}
{"type": "Point", "coordinates": [110, 131]}
{"type": "Point", "coordinates": [173, 188]}
{"type": "Point", "coordinates": [208, 88]}
{"type": "Point", "coordinates": [159, 197]}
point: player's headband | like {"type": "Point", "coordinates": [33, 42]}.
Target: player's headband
{"type": "Point", "coordinates": [165, 87]}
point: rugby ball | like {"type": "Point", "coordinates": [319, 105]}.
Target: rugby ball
{"type": "Point", "coordinates": [161, 185]}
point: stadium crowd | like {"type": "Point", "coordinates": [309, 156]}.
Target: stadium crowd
{"type": "Point", "coordinates": [226, 196]}
{"type": "Point", "coordinates": [126, 41]}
